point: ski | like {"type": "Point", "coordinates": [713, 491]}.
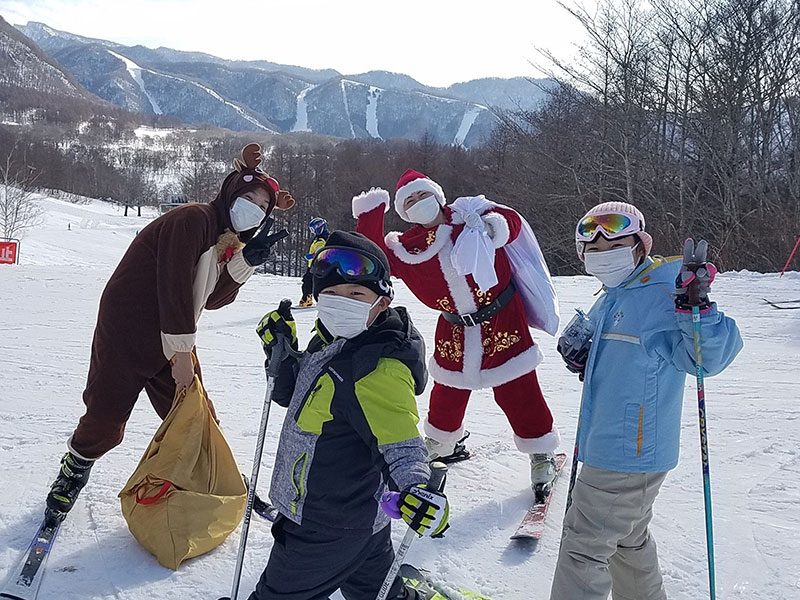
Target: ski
{"type": "Point", "coordinates": [25, 579]}
{"type": "Point", "coordinates": [430, 588]}
{"type": "Point", "coordinates": [532, 525]}
{"type": "Point", "coordinates": [780, 304]}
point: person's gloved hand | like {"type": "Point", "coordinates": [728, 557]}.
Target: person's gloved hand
{"type": "Point", "coordinates": [275, 324]}
{"type": "Point", "coordinates": [256, 251]}
{"type": "Point", "coordinates": [425, 511]}
{"type": "Point", "coordinates": [694, 280]}
{"type": "Point", "coordinates": [574, 358]}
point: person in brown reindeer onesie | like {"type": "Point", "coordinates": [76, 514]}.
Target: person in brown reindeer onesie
{"type": "Point", "coordinates": [193, 257]}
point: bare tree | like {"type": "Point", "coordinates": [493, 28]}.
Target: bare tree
{"type": "Point", "coordinates": [18, 209]}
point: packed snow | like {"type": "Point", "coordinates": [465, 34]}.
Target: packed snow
{"type": "Point", "coordinates": [373, 96]}
{"type": "Point", "coordinates": [136, 72]}
{"type": "Point", "coordinates": [301, 115]}
{"type": "Point", "coordinates": [48, 305]}
{"type": "Point", "coordinates": [347, 108]}
{"type": "Point", "coordinates": [466, 124]}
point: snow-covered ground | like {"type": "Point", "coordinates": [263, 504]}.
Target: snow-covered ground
{"type": "Point", "coordinates": [48, 306]}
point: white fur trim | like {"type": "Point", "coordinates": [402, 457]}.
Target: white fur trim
{"type": "Point", "coordinates": [548, 442]}
{"type": "Point", "coordinates": [498, 229]}
{"type": "Point", "coordinates": [238, 268]}
{"type": "Point", "coordinates": [442, 436]}
{"type": "Point", "coordinates": [367, 201]}
{"type": "Point", "coordinates": [510, 370]}
{"type": "Point", "coordinates": [423, 184]}
{"type": "Point", "coordinates": [394, 244]}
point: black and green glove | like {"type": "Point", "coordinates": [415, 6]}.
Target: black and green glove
{"type": "Point", "coordinates": [425, 511]}
{"type": "Point", "coordinates": [276, 324]}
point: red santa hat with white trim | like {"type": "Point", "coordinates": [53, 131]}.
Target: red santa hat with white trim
{"type": "Point", "coordinates": [413, 181]}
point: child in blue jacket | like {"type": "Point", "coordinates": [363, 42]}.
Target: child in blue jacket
{"type": "Point", "coordinates": [634, 368]}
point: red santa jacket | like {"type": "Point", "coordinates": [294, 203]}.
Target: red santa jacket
{"type": "Point", "coordinates": [495, 352]}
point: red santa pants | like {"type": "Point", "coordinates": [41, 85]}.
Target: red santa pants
{"type": "Point", "coordinates": [521, 400]}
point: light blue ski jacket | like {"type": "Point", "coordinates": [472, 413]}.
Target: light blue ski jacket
{"type": "Point", "coordinates": [636, 371]}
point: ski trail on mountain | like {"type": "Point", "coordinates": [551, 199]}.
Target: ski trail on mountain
{"type": "Point", "coordinates": [373, 96]}
{"type": "Point", "coordinates": [467, 122]}
{"type": "Point", "coordinates": [301, 114]}
{"type": "Point", "coordinates": [136, 72]}
{"type": "Point", "coordinates": [347, 111]}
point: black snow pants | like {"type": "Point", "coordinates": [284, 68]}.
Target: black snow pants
{"type": "Point", "coordinates": [309, 563]}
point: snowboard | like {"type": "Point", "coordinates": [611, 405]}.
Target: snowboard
{"type": "Point", "coordinates": [532, 525]}
{"type": "Point", "coordinates": [431, 588]}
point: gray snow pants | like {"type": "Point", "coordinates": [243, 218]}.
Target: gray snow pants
{"type": "Point", "coordinates": [606, 545]}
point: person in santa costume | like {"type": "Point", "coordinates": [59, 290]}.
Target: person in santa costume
{"type": "Point", "coordinates": [478, 263]}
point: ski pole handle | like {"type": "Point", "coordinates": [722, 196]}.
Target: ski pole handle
{"type": "Point", "coordinates": [435, 482]}
{"type": "Point", "coordinates": [438, 476]}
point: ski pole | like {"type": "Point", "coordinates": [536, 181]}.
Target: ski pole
{"type": "Point", "coordinates": [701, 403]}
{"type": "Point", "coordinates": [436, 482]}
{"type": "Point", "coordinates": [280, 350]}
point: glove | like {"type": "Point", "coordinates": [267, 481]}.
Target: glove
{"type": "Point", "coordinates": [575, 342]}
{"type": "Point", "coordinates": [275, 324]}
{"type": "Point", "coordinates": [694, 280]}
{"type": "Point", "coordinates": [574, 359]}
{"type": "Point", "coordinates": [256, 251]}
{"type": "Point", "coordinates": [425, 511]}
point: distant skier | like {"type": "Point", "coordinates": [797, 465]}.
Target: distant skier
{"type": "Point", "coordinates": [635, 362]}
{"type": "Point", "coordinates": [349, 432]}
{"type": "Point", "coordinates": [477, 263]}
{"type": "Point", "coordinates": [318, 227]}
{"type": "Point", "coordinates": [194, 257]}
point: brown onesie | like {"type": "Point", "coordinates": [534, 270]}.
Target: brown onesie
{"type": "Point", "coordinates": [186, 260]}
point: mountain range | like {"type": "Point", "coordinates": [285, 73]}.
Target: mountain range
{"type": "Point", "coordinates": [201, 89]}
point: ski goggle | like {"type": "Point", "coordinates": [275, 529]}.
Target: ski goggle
{"type": "Point", "coordinates": [612, 225]}
{"type": "Point", "coordinates": [352, 265]}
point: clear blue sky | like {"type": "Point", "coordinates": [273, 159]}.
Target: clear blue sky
{"type": "Point", "coordinates": [438, 42]}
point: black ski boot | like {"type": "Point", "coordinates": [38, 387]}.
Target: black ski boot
{"type": "Point", "coordinates": [71, 478]}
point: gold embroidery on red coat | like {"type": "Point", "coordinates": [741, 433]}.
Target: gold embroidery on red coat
{"type": "Point", "coordinates": [429, 239]}
{"type": "Point", "coordinates": [444, 304]}
{"type": "Point", "coordinates": [484, 298]}
{"type": "Point", "coordinates": [452, 349]}
{"type": "Point", "coordinates": [497, 341]}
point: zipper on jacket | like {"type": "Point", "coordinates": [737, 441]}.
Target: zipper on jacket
{"type": "Point", "coordinates": [298, 480]}
{"type": "Point", "coordinates": [639, 434]}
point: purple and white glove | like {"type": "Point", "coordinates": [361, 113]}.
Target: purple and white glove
{"type": "Point", "coordinates": [694, 280]}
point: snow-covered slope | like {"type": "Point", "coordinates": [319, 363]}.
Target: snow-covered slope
{"type": "Point", "coordinates": [48, 306]}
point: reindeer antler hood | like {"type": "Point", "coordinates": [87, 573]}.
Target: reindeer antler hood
{"type": "Point", "coordinates": [247, 175]}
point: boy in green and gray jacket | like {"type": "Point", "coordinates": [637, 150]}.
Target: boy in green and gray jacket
{"type": "Point", "coordinates": [349, 432]}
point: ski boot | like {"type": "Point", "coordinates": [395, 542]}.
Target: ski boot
{"type": "Point", "coordinates": [306, 301]}
{"type": "Point", "coordinates": [72, 476]}
{"type": "Point", "coordinates": [447, 453]}
{"type": "Point", "coordinates": [543, 473]}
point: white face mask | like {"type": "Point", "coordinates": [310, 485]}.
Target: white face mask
{"type": "Point", "coordinates": [423, 212]}
{"type": "Point", "coordinates": [612, 267]}
{"type": "Point", "coordinates": [245, 214]}
{"type": "Point", "coordinates": [344, 317]}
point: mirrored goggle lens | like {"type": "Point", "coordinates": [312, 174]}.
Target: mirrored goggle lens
{"type": "Point", "coordinates": [610, 223]}
{"type": "Point", "coordinates": [347, 262]}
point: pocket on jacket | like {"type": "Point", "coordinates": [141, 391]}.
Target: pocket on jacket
{"type": "Point", "coordinates": [633, 430]}
{"type": "Point", "coordinates": [298, 479]}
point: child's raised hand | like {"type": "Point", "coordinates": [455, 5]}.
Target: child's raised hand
{"type": "Point", "coordinates": [694, 280]}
